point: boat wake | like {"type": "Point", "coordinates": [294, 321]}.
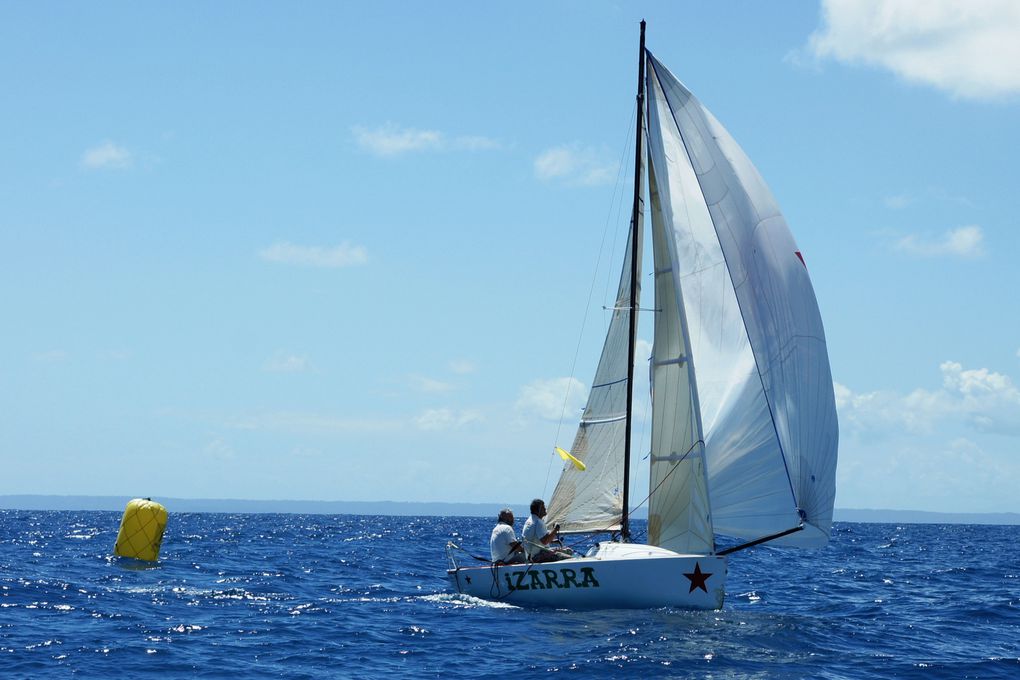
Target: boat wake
{"type": "Point", "coordinates": [461, 601]}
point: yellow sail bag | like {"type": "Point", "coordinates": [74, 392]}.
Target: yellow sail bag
{"type": "Point", "coordinates": [141, 530]}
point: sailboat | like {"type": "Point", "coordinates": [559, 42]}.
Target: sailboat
{"type": "Point", "coordinates": [744, 430]}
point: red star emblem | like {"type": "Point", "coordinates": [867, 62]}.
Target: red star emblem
{"type": "Point", "coordinates": [698, 578]}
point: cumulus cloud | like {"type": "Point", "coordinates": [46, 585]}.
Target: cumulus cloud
{"type": "Point", "coordinates": [978, 398]}
{"type": "Point", "coordinates": [965, 242]}
{"type": "Point", "coordinates": [968, 49]}
{"type": "Point", "coordinates": [549, 399]}
{"type": "Point", "coordinates": [445, 419]}
{"type": "Point", "coordinates": [106, 156]}
{"type": "Point", "coordinates": [950, 448]}
{"type": "Point", "coordinates": [343, 255]}
{"type": "Point", "coordinates": [392, 140]}
{"type": "Point", "coordinates": [990, 401]}
{"type": "Point", "coordinates": [574, 164]}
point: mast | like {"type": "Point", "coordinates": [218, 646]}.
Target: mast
{"type": "Point", "coordinates": [634, 245]}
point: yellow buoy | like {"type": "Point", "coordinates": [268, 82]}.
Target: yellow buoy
{"type": "Point", "coordinates": [141, 530]}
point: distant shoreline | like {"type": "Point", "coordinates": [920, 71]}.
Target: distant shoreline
{"type": "Point", "coordinates": [412, 509]}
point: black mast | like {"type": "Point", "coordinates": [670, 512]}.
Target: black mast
{"type": "Point", "coordinates": [634, 245]}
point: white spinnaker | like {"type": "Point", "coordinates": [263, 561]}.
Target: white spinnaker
{"type": "Point", "coordinates": [592, 499]}
{"type": "Point", "coordinates": [767, 404]}
{"type": "Point", "coordinates": [678, 509]}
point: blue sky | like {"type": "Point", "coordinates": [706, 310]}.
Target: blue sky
{"type": "Point", "coordinates": [343, 251]}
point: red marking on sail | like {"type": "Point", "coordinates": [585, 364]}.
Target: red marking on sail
{"type": "Point", "coordinates": [800, 257]}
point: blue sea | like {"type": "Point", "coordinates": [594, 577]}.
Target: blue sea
{"type": "Point", "coordinates": [321, 596]}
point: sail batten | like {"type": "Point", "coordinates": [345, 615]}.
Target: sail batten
{"type": "Point", "coordinates": [600, 421]}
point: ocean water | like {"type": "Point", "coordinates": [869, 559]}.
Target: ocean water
{"type": "Point", "coordinates": [320, 596]}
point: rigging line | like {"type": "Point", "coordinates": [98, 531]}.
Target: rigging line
{"type": "Point", "coordinates": [729, 271]}
{"type": "Point", "coordinates": [759, 541]}
{"type": "Point", "coordinates": [591, 291]}
{"type": "Point", "coordinates": [495, 579]}
{"type": "Point", "coordinates": [652, 492]}
{"type": "Point", "coordinates": [471, 555]}
{"type": "Point", "coordinates": [671, 471]}
{"type": "Point", "coordinates": [644, 422]}
{"type": "Point", "coordinates": [627, 309]}
{"type": "Point", "coordinates": [494, 589]}
{"type": "Point", "coordinates": [619, 210]}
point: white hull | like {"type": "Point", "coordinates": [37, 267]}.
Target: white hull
{"type": "Point", "coordinates": [614, 575]}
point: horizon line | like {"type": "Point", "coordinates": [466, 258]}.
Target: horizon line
{"type": "Point", "coordinates": [86, 502]}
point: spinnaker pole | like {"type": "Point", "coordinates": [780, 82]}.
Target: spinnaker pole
{"type": "Point", "coordinates": [635, 236]}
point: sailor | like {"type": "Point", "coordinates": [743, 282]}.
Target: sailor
{"type": "Point", "coordinates": [503, 545]}
{"type": "Point", "coordinates": [536, 538]}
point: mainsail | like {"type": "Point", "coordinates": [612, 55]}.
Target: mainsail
{"type": "Point", "coordinates": [744, 430]}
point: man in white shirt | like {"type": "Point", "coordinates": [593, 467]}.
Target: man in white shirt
{"type": "Point", "coordinates": [535, 536]}
{"type": "Point", "coordinates": [504, 548]}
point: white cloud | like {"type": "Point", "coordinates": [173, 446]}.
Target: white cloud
{"type": "Point", "coordinates": [221, 449]}
{"type": "Point", "coordinates": [425, 384]}
{"type": "Point", "coordinates": [445, 419]}
{"type": "Point", "coordinates": [642, 353]}
{"type": "Point", "coordinates": [954, 474]}
{"type": "Point", "coordinates": [875, 414]}
{"type": "Point", "coordinates": [574, 164]}
{"type": "Point", "coordinates": [930, 195]}
{"type": "Point", "coordinates": [977, 398]}
{"type": "Point", "coordinates": [969, 49]}
{"type": "Point", "coordinates": [462, 366]}
{"type": "Point", "coordinates": [52, 356]}
{"type": "Point", "coordinates": [990, 401]}
{"type": "Point", "coordinates": [311, 423]}
{"type": "Point", "coordinates": [287, 363]}
{"type": "Point", "coordinates": [550, 399]}
{"type": "Point", "coordinates": [960, 242]}
{"type": "Point", "coordinates": [305, 452]}
{"type": "Point", "coordinates": [343, 255]}
{"type": "Point", "coordinates": [898, 202]}
{"type": "Point", "coordinates": [106, 156]}
{"type": "Point", "coordinates": [391, 140]}
{"type": "Point", "coordinates": [474, 143]}
{"type": "Point", "coordinates": [951, 448]}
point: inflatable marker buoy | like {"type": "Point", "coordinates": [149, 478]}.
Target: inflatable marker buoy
{"type": "Point", "coordinates": [141, 530]}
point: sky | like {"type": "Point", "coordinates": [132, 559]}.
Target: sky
{"type": "Point", "coordinates": [344, 251]}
